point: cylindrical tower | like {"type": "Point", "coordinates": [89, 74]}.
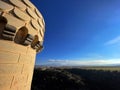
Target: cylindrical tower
{"type": "Point", "coordinates": [21, 35]}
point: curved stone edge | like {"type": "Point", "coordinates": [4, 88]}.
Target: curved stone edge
{"type": "Point", "coordinates": [11, 29]}
{"type": "Point", "coordinates": [10, 33]}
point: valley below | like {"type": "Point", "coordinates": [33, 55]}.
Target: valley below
{"type": "Point", "coordinates": [76, 78]}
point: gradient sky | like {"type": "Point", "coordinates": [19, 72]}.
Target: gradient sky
{"type": "Point", "coordinates": [80, 32]}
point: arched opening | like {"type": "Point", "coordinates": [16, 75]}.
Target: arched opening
{"type": "Point", "coordinates": [3, 23]}
{"type": "Point", "coordinates": [21, 35]}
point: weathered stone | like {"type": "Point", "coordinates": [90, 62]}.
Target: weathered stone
{"type": "Point", "coordinates": [25, 60]}
{"type": "Point", "coordinates": [5, 82]}
{"type": "Point", "coordinates": [5, 57]}
{"type": "Point", "coordinates": [38, 13]}
{"type": "Point", "coordinates": [5, 7]}
{"type": "Point", "coordinates": [29, 4]}
{"type": "Point", "coordinates": [19, 81]}
{"type": "Point", "coordinates": [9, 69]}
{"type": "Point", "coordinates": [41, 23]}
{"type": "Point", "coordinates": [28, 68]}
{"type": "Point", "coordinates": [13, 21]}
{"type": "Point", "coordinates": [35, 24]}
{"type": "Point", "coordinates": [20, 14]}
{"type": "Point", "coordinates": [18, 4]}
{"type": "Point", "coordinates": [32, 30]}
{"type": "Point", "coordinates": [42, 32]}
{"type": "Point", "coordinates": [32, 13]}
{"type": "Point", "coordinates": [20, 49]}
{"type": "Point", "coordinates": [40, 37]}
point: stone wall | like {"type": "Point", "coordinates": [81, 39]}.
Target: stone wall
{"type": "Point", "coordinates": [21, 36]}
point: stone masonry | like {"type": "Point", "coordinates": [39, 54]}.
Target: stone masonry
{"type": "Point", "coordinates": [21, 36]}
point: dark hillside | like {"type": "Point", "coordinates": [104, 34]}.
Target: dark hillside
{"type": "Point", "coordinates": [75, 79]}
{"type": "Point", "coordinates": [99, 79]}
{"type": "Point", "coordinates": [57, 79]}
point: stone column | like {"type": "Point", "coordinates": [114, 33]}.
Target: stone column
{"type": "Point", "coordinates": [21, 36]}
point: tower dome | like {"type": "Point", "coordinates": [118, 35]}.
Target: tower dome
{"type": "Point", "coordinates": [22, 30]}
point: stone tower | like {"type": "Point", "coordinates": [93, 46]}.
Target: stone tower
{"type": "Point", "coordinates": [21, 35]}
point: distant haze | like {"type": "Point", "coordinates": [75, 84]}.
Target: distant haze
{"type": "Point", "coordinates": [82, 63]}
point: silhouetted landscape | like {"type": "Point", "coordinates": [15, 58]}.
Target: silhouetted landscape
{"type": "Point", "coordinates": [67, 78]}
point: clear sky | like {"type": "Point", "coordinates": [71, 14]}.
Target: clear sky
{"type": "Point", "coordinates": [80, 32]}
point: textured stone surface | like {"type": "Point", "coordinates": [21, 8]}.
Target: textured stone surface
{"type": "Point", "coordinates": [35, 24]}
{"type": "Point", "coordinates": [40, 23]}
{"type": "Point", "coordinates": [32, 31]}
{"type": "Point", "coordinates": [21, 36]}
{"type": "Point", "coordinates": [20, 14]}
{"type": "Point", "coordinates": [31, 13]}
{"type": "Point", "coordinates": [5, 82]}
{"type": "Point", "coordinates": [29, 4]}
{"type": "Point", "coordinates": [7, 57]}
{"type": "Point", "coordinates": [23, 59]}
{"type": "Point", "coordinates": [18, 4]}
{"type": "Point", "coordinates": [5, 7]}
{"type": "Point", "coordinates": [10, 69]}
{"type": "Point", "coordinates": [38, 13]}
{"type": "Point", "coordinates": [14, 22]}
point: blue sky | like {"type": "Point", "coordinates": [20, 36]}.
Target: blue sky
{"type": "Point", "coordinates": [80, 32]}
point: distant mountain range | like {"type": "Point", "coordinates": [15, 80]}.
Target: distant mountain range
{"type": "Point", "coordinates": [110, 65]}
